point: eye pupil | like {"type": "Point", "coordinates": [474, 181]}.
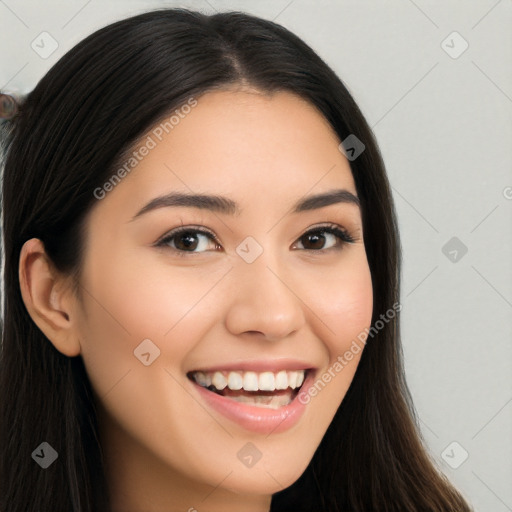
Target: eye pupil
{"type": "Point", "coordinates": [190, 240]}
{"type": "Point", "coordinates": [315, 238]}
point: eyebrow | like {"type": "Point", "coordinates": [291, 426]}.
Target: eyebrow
{"type": "Point", "coordinates": [227, 206]}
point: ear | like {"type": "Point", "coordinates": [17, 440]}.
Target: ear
{"type": "Point", "coordinates": [48, 298]}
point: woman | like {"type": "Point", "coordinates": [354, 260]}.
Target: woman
{"type": "Point", "coordinates": [201, 284]}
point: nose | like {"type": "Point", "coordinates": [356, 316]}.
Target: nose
{"type": "Point", "coordinates": [263, 301]}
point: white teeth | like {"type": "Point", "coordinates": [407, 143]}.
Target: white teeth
{"type": "Point", "coordinates": [235, 381]}
{"type": "Point", "coordinates": [292, 379]}
{"type": "Point", "coordinates": [281, 380]}
{"type": "Point", "coordinates": [266, 381]}
{"type": "Point", "coordinates": [251, 381]}
{"type": "Point", "coordinates": [201, 378]}
{"type": "Point", "coordinates": [219, 381]}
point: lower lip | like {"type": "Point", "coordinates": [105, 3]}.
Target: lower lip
{"type": "Point", "coordinates": [262, 420]}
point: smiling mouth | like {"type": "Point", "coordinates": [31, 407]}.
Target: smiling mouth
{"type": "Point", "coordinates": [262, 389]}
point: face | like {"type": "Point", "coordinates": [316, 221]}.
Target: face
{"type": "Point", "coordinates": [264, 288]}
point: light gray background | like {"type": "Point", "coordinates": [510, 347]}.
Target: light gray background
{"type": "Point", "coordinates": [444, 128]}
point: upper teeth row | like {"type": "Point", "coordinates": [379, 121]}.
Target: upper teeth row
{"type": "Point", "coordinates": [251, 381]}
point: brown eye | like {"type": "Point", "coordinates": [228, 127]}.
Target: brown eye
{"type": "Point", "coordinates": [316, 239]}
{"type": "Point", "coordinates": [188, 240]}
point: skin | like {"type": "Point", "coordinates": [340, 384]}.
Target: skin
{"type": "Point", "coordinates": [165, 450]}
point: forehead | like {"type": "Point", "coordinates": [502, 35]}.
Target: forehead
{"type": "Point", "coordinates": [263, 150]}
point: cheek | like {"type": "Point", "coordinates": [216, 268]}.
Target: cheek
{"type": "Point", "coordinates": [344, 306]}
{"type": "Point", "coordinates": [343, 309]}
{"type": "Point", "coordinates": [131, 302]}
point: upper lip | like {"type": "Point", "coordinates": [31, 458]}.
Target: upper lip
{"type": "Point", "coordinates": [258, 365]}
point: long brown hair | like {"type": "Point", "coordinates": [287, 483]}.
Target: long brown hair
{"type": "Point", "coordinates": [113, 86]}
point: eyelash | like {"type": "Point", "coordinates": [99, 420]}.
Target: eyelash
{"type": "Point", "coordinates": [333, 229]}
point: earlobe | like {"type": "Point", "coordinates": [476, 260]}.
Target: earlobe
{"type": "Point", "coordinates": [48, 298]}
